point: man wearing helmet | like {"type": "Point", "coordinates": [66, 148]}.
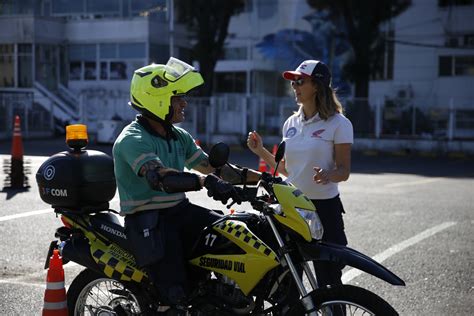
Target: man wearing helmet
{"type": "Point", "coordinates": [149, 159]}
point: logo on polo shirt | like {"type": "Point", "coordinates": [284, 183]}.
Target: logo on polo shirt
{"type": "Point", "coordinates": [317, 134]}
{"type": "Point", "coordinates": [291, 132]}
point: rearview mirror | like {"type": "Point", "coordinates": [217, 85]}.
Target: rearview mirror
{"type": "Point", "coordinates": [219, 155]}
{"type": "Point", "coordinates": [280, 152]}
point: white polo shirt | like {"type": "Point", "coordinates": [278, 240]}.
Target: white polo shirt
{"type": "Point", "coordinates": [310, 143]}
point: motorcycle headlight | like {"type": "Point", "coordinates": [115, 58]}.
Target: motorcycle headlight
{"type": "Point", "coordinates": [314, 223]}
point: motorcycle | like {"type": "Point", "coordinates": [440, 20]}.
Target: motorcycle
{"type": "Point", "coordinates": [244, 263]}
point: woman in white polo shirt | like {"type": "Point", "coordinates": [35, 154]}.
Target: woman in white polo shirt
{"type": "Point", "coordinates": [318, 152]}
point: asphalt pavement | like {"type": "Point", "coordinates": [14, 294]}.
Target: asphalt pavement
{"type": "Point", "coordinates": [361, 162]}
{"type": "Point", "coordinates": [415, 215]}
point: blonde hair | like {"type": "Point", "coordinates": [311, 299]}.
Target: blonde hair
{"type": "Point", "coordinates": [326, 101]}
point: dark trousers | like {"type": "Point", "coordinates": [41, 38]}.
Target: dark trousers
{"type": "Point", "coordinates": [330, 212]}
{"type": "Point", "coordinates": [180, 228]}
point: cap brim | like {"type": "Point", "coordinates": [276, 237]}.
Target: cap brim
{"type": "Point", "coordinates": [292, 75]}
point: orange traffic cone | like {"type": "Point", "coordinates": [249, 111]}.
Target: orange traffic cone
{"type": "Point", "coordinates": [262, 165]}
{"type": "Point", "coordinates": [55, 301]}
{"type": "Point", "coordinates": [275, 148]}
{"type": "Point", "coordinates": [17, 144]}
{"type": "Point", "coordinates": [17, 174]}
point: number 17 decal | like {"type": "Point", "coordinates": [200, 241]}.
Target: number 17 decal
{"type": "Point", "coordinates": [210, 238]}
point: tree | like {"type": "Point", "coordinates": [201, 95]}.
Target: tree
{"type": "Point", "coordinates": [209, 20]}
{"type": "Point", "coordinates": [362, 20]}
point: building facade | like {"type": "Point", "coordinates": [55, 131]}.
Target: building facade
{"type": "Point", "coordinates": [432, 63]}
{"type": "Point", "coordinates": [64, 61]}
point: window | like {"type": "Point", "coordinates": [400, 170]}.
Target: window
{"type": "Point", "coordinates": [75, 70]}
{"type": "Point", "coordinates": [7, 75]}
{"type": "Point", "coordinates": [464, 66]}
{"type": "Point", "coordinates": [65, 7]}
{"type": "Point", "coordinates": [104, 74]}
{"type": "Point", "coordinates": [266, 9]}
{"type": "Point", "coordinates": [82, 57]}
{"type": "Point", "coordinates": [90, 71]}
{"type": "Point", "coordinates": [15, 7]}
{"type": "Point", "coordinates": [103, 6]}
{"type": "Point", "coordinates": [131, 50]}
{"type": "Point", "coordinates": [456, 66]}
{"type": "Point", "coordinates": [118, 71]}
{"type": "Point", "coordinates": [235, 53]}
{"type": "Point", "coordinates": [469, 40]}
{"type": "Point", "coordinates": [230, 82]}
{"type": "Point", "coordinates": [105, 61]}
{"type": "Point", "coordinates": [25, 66]}
{"type": "Point", "coordinates": [445, 65]}
{"type": "Point", "coordinates": [148, 7]}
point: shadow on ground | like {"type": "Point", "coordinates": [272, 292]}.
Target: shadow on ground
{"type": "Point", "coordinates": [408, 164]}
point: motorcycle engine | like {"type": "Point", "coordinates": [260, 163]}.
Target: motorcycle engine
{"type": "Point", "coordinates": [231, 296]}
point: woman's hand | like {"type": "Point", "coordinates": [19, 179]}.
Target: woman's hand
{"type": "Point", "coordinates": [255, 143]}
{"type": "Point", "coordinates": [321, 176]}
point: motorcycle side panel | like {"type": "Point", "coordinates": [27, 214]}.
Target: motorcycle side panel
{"type": "Point", "coordinates": [245, 269]}
{"type": "Point", "coordinates": [290, 197]}
{"type": "Point", "coordinates": [322, 251]}
{"type": "Point", "coordinates": [115, 262]}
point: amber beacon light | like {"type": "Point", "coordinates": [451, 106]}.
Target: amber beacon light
{"type": "Point", "coordinates": [76, 136]}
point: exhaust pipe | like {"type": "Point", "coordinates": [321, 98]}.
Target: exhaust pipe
{"type": "Point", "coordinates": [78, 251]}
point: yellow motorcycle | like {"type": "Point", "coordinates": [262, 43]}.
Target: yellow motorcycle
{"type": "Point", "coordinates": [246, 263]}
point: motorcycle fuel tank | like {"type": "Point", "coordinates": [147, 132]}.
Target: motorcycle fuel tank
{"type": "Point", "coordinates": [79, 180]}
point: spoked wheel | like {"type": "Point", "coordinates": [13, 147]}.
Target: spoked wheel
{"type": "Point", "coordinates": [92, 294]}
{"type": "Point", "coordinates": [347, 300]}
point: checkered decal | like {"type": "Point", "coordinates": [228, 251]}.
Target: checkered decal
{"type": "Point", "coordinates": [241, 232]}
{"type": "Point", "coordinates": [116, 269]}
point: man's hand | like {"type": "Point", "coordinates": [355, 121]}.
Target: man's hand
{"type": "Point", "coordinates": [220, 190]}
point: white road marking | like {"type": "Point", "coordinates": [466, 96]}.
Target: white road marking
{"type": "Point", "coordinates": [38, 212]}
{"type": "Point", "coordinates": [384, 255]}
{"type": "Point", "coordinates": [408, 183]}
{"type": "Point", "coordinates": [26, 214]}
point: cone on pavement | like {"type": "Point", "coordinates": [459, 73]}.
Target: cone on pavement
{"type": "Point", "coordinates": [17, 172]}
{"type": "Point", "coordinates": [17, 144]}
{"type": "Point", "coordinates": [55, 301]}
{"type": "Point", "coordinates": [275, 148]}
{"type": "Point", "coordinates": [262, 165]}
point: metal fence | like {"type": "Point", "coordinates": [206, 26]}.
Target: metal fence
{"type": "Point", "coordinates": [230, 117]}
{"type": "Point", "coordinates": [35, 120]}
{"type": "Point", "coordinates": [235, 115]}
{"type": "Point", "coordinates": [389, 119]}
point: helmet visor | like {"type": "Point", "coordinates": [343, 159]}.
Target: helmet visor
{"type": "Point", "coordinates": [175, 69]}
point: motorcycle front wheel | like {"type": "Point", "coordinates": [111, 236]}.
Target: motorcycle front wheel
{"type": "Point", "coordinates": [93, 294]}
{"type": "Point", "coordinates": [346, 300]}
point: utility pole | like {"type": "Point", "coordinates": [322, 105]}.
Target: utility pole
{"type": "Point", "coordinates": [171, 26]}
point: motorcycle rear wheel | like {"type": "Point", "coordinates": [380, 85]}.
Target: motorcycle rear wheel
{"type": "Point", "coordinates": [346, 300]}
{"type": "Point", "coordinates": [93, 294]}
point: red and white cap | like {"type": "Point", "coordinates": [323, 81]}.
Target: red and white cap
{"type": "Point", "coordinates": [311, 68]}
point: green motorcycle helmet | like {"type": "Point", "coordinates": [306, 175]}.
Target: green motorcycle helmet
{"type": "Point", "coordinates": [153, 86]}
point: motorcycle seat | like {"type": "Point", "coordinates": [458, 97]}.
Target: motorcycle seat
{"type": "Point", "coordinates": [109, 225]}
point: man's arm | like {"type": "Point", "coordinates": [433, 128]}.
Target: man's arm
{"type": "Point", "coordinates": [161, 178]}
{"type": "Point", "coordinates": [232, 176]}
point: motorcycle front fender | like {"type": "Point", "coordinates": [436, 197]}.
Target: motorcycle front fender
{"type": "Point", "coordinates": [322, 251]}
